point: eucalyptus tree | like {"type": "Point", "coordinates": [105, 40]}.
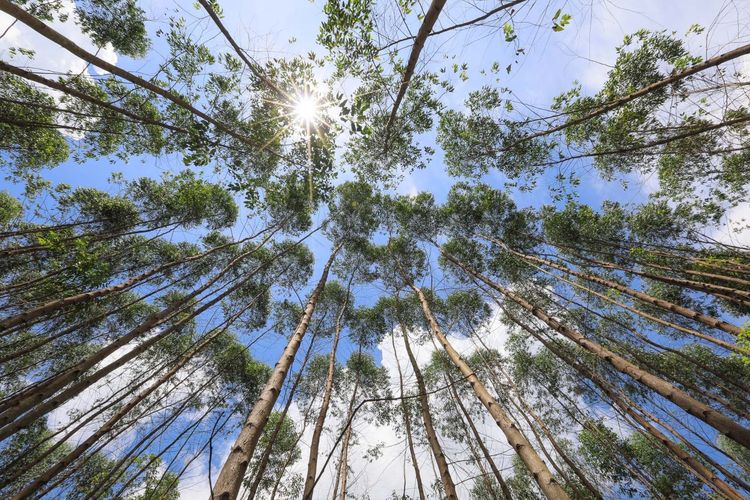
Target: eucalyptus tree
{"type": "Point", "coordinates": [369, 383]}
{"type": "Point", "coordinates": [626, 127]}
{"type": "Point", "coordinates": [398, 258]}
{"type": "Point", "coordinates": [351, 220]}
{"type": "Point", "coordinates": [409, 262]}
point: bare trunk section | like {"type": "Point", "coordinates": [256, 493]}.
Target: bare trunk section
{"type": "Point", "coordinates": [696, 408]}
{"type": "Point", "coordinates": [344, 467]}
{"type": "Point", "coordinates": [701, 471]}
{"type": "Point", "coordinates": [232, 473]}
{"type": "Point", "coordinates": [312, 461]}
{"type": "Point", "coordinates": [553, 441]}
{"type": "Point", "coordinates": [437, 450]}
{"type": "Point", "coordinates": [480, 442]}
{"type": "Point", "coordinates": [407, 425]}
{"type": "Point", "coordinates": [516, 439]}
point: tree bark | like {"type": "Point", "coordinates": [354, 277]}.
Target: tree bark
{"type": "Point", "coordinates": [230, 478]}
{"type": "Point", "coordinates": [312, 461]}
{"type": "Point", "coordinates": [263, 462]}
{"type": "Point", "coordinates": [696, 408]}
{"type": "Point", "coordinates": [547, 483]}
{"type": "Point", "coordinates": [437, 450]}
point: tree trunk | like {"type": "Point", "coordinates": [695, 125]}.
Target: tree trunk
{"type": "Point", "coordinates": [425, 28]}
{"type": "Point", "coordinates": [515, 437]}
{"type": "Point", "coordinates": [232, 473]}
{"type": "Point", "coordinates": [45, 400]}
{"type": "Point", "coordinates": [437, 450]}
{"type": "Point", "coordinates": [407, 425]}
{"type": "Point", "coordinates": [701, 471]}
{"type": "Point", "coordinates": [344, 463]}
{"type": "Point", "coordinates": [480, 442]}
{"type": "Point", "coordinates": [558, 449]}
{"type": "Point", "coordinates": [696, 408]}
{"type": "Point", "coordinates": [312, 461]}
{"type": "Point", "coordinates": [343, 468]}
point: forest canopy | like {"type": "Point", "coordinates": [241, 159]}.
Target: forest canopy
{"type": "Point", "coordinates": [462, 250]}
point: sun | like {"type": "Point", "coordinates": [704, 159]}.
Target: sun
{"type": "Point", "coordinates": [307, 109]}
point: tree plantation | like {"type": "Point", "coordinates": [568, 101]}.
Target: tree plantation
{"type": "Point", "coordinates": [369, 249]}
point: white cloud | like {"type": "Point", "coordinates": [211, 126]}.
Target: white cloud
{"type": "Point", "coordinates": [734, 229]}
{"type": "Point", "coordinates": [392, 469]}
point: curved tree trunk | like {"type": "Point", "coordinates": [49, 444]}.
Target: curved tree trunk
{"type": "Point", "coordinates": [515, 437]}
{"type": "Point", "coordinates": [425, 28]}
{"type": "Point", "coordinates": [232, 473]}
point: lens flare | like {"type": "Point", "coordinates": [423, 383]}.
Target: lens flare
{"type": "Point", "coordinates": [306, 109]}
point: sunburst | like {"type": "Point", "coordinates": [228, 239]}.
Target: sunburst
{"type": "Point", "coordinates": [307, 109]}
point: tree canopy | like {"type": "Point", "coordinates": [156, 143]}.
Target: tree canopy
{"type": "Point", "coordinates": [425, 250]}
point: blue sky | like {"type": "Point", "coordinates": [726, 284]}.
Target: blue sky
{"type": "Point", "coordinates": [551, 63]}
